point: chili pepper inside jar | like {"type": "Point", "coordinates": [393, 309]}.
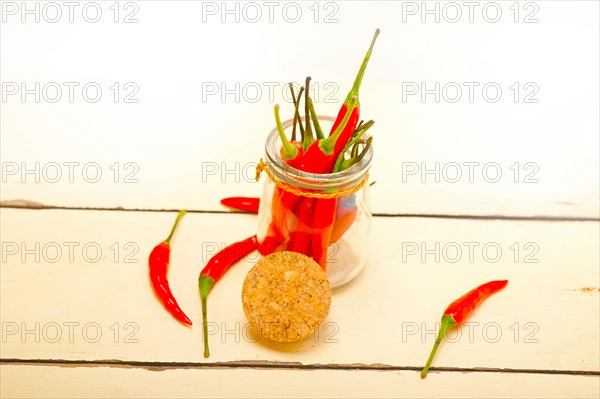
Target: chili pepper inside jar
{"type": "Point", "coordinates": [324, 216]}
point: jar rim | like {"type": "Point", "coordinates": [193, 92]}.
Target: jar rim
{"type": "Point", "coordinates": [283, 171]}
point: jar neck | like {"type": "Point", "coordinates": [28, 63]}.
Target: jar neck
{"type": "Point", "coordinates": [329, 182]}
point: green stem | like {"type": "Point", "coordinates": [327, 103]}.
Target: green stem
{"type": "Point", "coordinates": [205, 283]}
{"type": "Point", "coordinates": [328, 144]}
{"type": "Point", "coordinates": [347, 164]}
{"type": "Point", "coordinates": [358, 128]}
{"type": "Point", "coordinates": [357, 135]}
{"type": "Point", "coordinates": [289, 151]}
{"type": "Point", "coordinates": [308, 135]}
{"type": "Point", "coordinates": [179, 216]}
{"type": "Point", "coordinates": [315, 120]}
{"type": "Point", "coordinates": [295, 118]}
{"type": "Point", "coordinates": [361, 72]}
{"type": "Point", "coordinates": [354, 152]}
{"type": "Point", "coordinates": [448, 322]}
{"type": "Point", "coordinates": [297, 113]}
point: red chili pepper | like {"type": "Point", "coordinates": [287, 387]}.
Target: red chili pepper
{"type": "Point", "coordinates": [344, 216]}
{"type": "Point", "coordinates": [325, 217]}
{"type": "Point", "coordinates": [320, 156]}
{"type": "Point", "coordinates": [159, 265]}
{"type": "Point", "coordinates": [291, 153]}
{"type": "Point", "coordinates": [283, 201]}
{"type": "Point", "coordinates": [353, 121]}
{"type": "Point", "coordinates": [291, 204]}
{"type": "Point", "coordinates": [316, 222]}
{"type": "Point", "coordinates": [214, 270]}
{"type": "Point", "coordinates": [301, 232]}
{"type": "Point", "coordinates": [323, 220]}
{"type": "Point", "coordinates": [459, 310]}
{"type": "Point", "coordinates": [248, 204]}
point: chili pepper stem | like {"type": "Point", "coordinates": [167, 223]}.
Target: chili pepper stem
{"type": "Point", "coordinates": [289, 151]}
{"type": "Point", "coordinates": [297, 113]}
{"type": "Point", "coordinates": [361, 72]}
{"type": "Point", "coordinates": [354, 152]}
{"type": "Point", "coordinates": [205, 283]}
{"type": "Point", "coordinates": [308, 134]}
{"type": "Point", "coordinates": [179, 216]}
{"type": "Point", "coordinates": [291, 85]}
{"type": "Point", "coordinates": [448, 323]}
{"type": "Point", "coordinates": [315, 120]}
{"type": "Point", "coordinates": [347, 164]}
{"type": "Point", "coordinates": [363, 129]}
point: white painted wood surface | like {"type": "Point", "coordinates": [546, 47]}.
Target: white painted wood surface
{"type": "Point", "coordinates": [545, 320]}
{"type": "Point", "coordinates": [177, 149]}
{"type": "Point", "coordinates": [83, 382]}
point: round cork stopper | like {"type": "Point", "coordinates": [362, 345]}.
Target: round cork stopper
{"type": "Point", "coordinates": [286, 296]}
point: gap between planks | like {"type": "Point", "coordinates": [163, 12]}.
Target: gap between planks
{"type": "Point", "coordinates": [31, 205]}
{"type": "Point", "coordinates": [271, 365]}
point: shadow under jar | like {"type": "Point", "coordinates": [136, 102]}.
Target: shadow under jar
{"type": "Point", "coordinates": [324, 216]}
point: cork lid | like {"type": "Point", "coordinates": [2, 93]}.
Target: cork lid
{"type": "Point", "coordinates": [286, 296]}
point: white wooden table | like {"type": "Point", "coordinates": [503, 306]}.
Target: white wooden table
{"type": "Point", "coordinates": [78, 316]}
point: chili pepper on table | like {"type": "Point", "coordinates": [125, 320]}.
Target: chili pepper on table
{"type": "Point", "coordinates": [214, 270]}
{"type": "Point", "coordinates": [248, 204]}
{"type": "Point", "coordinates": [459, 310]}
{"type": "Point", "coordinates": [158, 263]}
{"type": "Point", "coordinates": [243, 205]}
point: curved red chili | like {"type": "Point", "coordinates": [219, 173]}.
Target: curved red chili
{"type": "Point", "coordinates": [214, 270]}
{"type": "Point", "coordinates": [159, 264]}
{"type": "Point", "coordinates": [459, 310]}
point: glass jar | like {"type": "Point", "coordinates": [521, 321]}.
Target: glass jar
{"type": "Point", "coordinates": [325, 216]}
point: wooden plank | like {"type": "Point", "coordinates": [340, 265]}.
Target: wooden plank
{"type": "Point", "coordinates": [546, 319]}
{"type": "Point", "coordinates": [86, 382]}
{"type": "Point", "coordinates": [179, 143]}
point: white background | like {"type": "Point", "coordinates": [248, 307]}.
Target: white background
{"type": "Point", "coordinates": [177, 131]}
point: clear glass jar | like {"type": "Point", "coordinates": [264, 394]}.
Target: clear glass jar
{"type": "Point", "coordinates": [333, 231]}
